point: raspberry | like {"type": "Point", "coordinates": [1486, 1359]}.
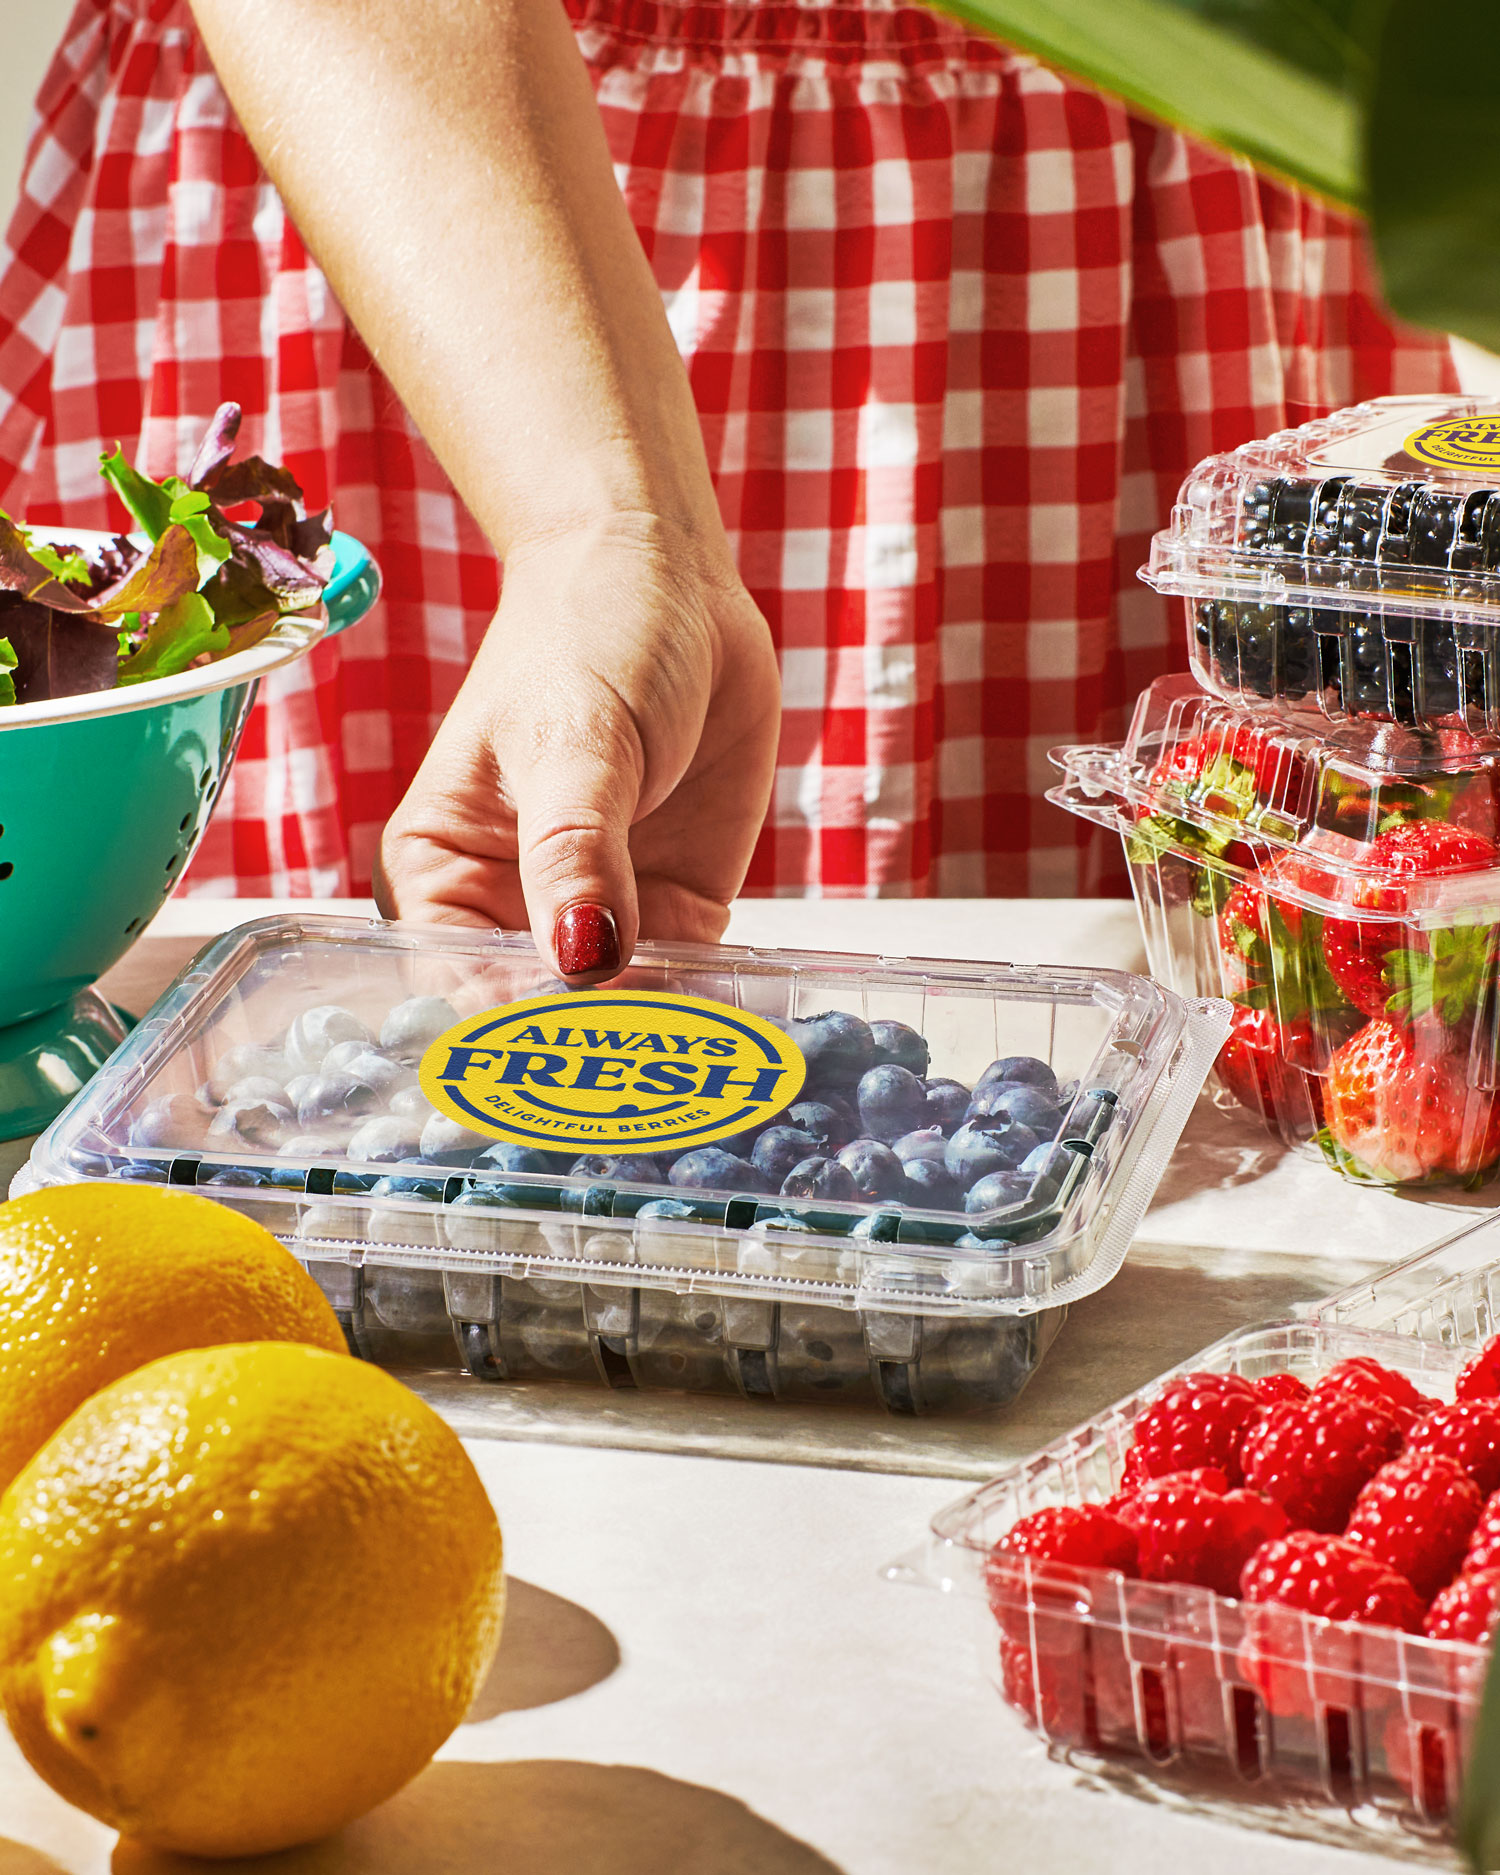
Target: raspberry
{"type": "Point", "coordinates": [1313, 1455]}
{"type": "Point", "coordinates": [1086, 1535]}
{"type": "Point", "coordinates": [1466, 1609]}
{"type": "Point", "coordinates": [1125, 1504]}
{"type": "Point", "coordinates": [1365, 1379]}
{"type": "Point", "coordinates": [1328, 1576]}
{"type": "Point", "coordinates": [1197, 1420]}
{"type": "Point", "coordinates": [1417, 1514]}
{"type": "Point", "coordinates": [1484, 1545]}
{"type": "Point", "coordinates": [1480, 1379]}
{"type": "Point", "coordinates": [1270, 1388]}
{"type": "Point", "coordinates": [1468, 1431]}
{"type": "Point", "coordinates": [1187, 1533]}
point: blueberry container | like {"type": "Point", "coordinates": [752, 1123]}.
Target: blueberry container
{"type": "Point", "coordinates": [957, 1153]}
{"type": "Point", "coordinates": [1343, 892]}
{"type": "Point", "coordinates": [1251, 1712]}
{"type": "Point", "coordinates": [1348, 570]}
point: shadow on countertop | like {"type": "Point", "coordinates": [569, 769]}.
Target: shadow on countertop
{"type": "Point", "coordinates": [550, 1649]}
{"type": "Point", "coordinates": [532, 1817]}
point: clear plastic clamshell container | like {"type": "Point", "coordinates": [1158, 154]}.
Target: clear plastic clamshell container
{"type": "Point", "coordinates": [1348, 569]}
{"type": "Point", "coordinates": [1257, 1713]}
{"type": "Point", "coordinates": [1343, 892]}
{"type": "Point", "coordinates": [912, 1235]}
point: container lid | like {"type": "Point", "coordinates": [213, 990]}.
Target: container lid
{"type": "Point", "coordinates": [1397, 500]}
{"type": "Point", "coordinates": [1376, 822]}
{"type": "Point", "coordinates": [899, 1133]}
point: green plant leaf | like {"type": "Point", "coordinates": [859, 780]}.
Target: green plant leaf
{"type": "Point", "coordinates": [70, 567]}
{"type": "Point", "coordinates": [1279, 81]}
{"type": "Point", "coordinates": [8, 661]}
{"type": "Point", "coordinates": [148, 501]}
{"type": "Point", "coordinates": [1479, 1799]}
{"type": "Point", "coordinates": [1433, 156]}
{"type": "Point", "coordinates": [181, 632]}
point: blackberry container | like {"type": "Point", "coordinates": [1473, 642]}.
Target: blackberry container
{"type": "Point", "coordinates": [1258, 1714]}
{"type": "Point", "coordinates": [1348, 570]}
{"type": "Point", "coordinates": [438, 1250]}
{"type": "Point", "coordinates": [1342, 890]}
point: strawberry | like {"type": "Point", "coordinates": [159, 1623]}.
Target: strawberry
{"type": "Point", "coordinates": [1402, 1113]}
{"type": "Point", "coordinates": [1386, 968]}
{"type": "Point", "coordinates": [1254, 1066]}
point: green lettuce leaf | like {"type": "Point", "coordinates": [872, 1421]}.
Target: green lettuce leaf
{"type": "Point", "coordinates": [181, 632]}
{"type": "Point", "coordinates": [7, 665]}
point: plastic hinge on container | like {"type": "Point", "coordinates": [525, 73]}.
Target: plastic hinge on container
{"type": "Point", "coordinates": [1337, 1732]}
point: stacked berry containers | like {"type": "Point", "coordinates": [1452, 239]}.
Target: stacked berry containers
{"type": "Point", "coordinates": [962, 1150]}
{"type": "Point", "coordinates": [1261, 1587]}
{"type": "Point", "coordinates": [1349, 570]}
{"type": "Point", "coordinates": [1343, 892]}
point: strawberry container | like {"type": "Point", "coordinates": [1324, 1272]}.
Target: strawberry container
{"type": "Point", "coordinates": [1343, 892]}
{"type": "Point", "coordinates": [1262, 1714]}
{"type": "Point", "coordinates": [1348, 570]}
{"type": "Point", "coordinates": [341, 1081]}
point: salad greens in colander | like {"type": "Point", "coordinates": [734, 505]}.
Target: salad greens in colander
{"type": "Point", "coordinates": [195, 588]}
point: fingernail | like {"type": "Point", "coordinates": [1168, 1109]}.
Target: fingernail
{"type": "Point", "coordinates": [586, 941]}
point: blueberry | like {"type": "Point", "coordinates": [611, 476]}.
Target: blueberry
{"type": "Point", "coordinates": [1019, 1101]}
{"type": "Point", "coordinates": [180, 1122]}
{"type": "Point", "coordinates": [827, 1125]}
{"type": "Point", "coordinates": [875, 1169]}
{"type": "Point", "coordinates": [372, 1065]}
{"type": "Point", "coordinates": [428, 1188]}
{"type": "Point", "coordinates": [388, 1139]}
{"type": "Point", "coordinates": [1047, 1167]}
{"type": "Point", "coordinates": [713, 1170]}
{"type": "Point", "coordinates": [997, 1191]}
{"type": "Point", "coordinates": [779, 1148]}
{"type": "Point", "coordinates": [412, 1025]}
{"type": "Point", "coordinates": [315, 1031]}
{"type": "Point", "coordinates": [238, 1064]}
{"type": "Point", "coordinates": [819, 1178]}
{"type": "Point", "coordinates": [505, 1155]}
{"type": "Point", "coordinates": [947, 1103]}
{"type": "Point", "coordinates": [1019, 1068]}
{"type": "Point", "coordinates": [411, 1102]}
{"type": "Point", "coordinates": [892, 1101]}
{"type": "Point", "coordinates": [898, 1046]}
{"type": "Point", "coordinates": [256, 1122]}
{"type": "Point", "coordinates": [335, 1097]}
{"type": "Point", "coordinates": [927, 1142]}
{"type": "Point", "coordinates": [668, 1207]}
{"type": "Point", "coordinates": [445, 1142]}
{"type": "Point", "coordinates": [837, 1047]}
{"type": "Point", "coordinates": [639, 1167]}
{"type": "Point", "coordinates": [931, 1186]}
{"type": "Point", "coordinates": [257, 1087]}
{"type": "Point", "coordinates": [980, 1147]}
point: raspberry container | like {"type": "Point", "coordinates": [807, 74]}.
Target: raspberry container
{"type": "Point", "coordinates": [1343, 892]}
{"type": "Point", "coordinates": [1447, 1296]}
{"type": "Point", "coordinates": [1261, 1714]}
{"type": "Point", "coordinates": [1348, 570]}
{"type": "Point", "coordinates": [711, 1270]}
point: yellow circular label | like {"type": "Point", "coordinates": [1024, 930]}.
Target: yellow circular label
{"type": "Point", "coordinates": [1458, 443]}
{"type": "Point", "coordinates": [612, 1071]}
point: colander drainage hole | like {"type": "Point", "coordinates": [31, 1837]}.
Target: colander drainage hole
{"type": "Point", "coordinates": [6, 869]}
{"type": "Point", "coordinates": [132, 927]}
{"type": "Point", "coordinates": [182, 825]}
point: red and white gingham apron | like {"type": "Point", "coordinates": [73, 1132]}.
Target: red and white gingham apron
{"type": "Point", "coordinates": [957, 327]}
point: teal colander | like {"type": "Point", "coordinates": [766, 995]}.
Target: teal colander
{"type": "Point", "coordinates": [103, 799]}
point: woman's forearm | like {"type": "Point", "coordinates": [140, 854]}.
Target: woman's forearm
{"type": "Point", "coordinates": [447, 167]}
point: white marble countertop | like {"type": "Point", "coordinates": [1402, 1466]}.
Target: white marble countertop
{"type": "Point", "coordinates": [704, 1672]}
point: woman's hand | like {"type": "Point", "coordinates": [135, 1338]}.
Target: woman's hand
{"type": "Point", "coordinates": [612, 747]}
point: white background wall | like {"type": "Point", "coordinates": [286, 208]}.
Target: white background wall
{"type": "Point", "coordinates": [33, 27]}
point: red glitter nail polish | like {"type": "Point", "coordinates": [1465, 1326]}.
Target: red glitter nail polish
{"type": "Point", "coordinates": [586, 941]}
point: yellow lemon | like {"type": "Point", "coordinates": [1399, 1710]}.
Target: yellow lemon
{"type": "Point", "coordinates": [96, 1280]}
{"type": "Point", "coordinates": [245, 1594]}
